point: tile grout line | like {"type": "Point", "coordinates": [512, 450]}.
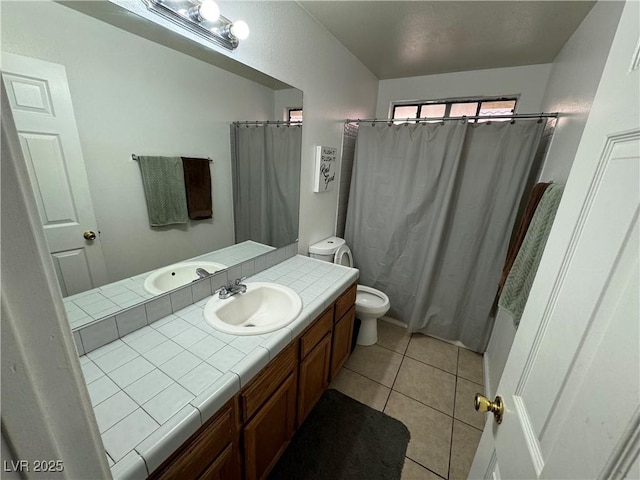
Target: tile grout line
{"type": "Point", "coordinates": [434, 366]}
{"type": "Point", "coordinates": [426, 468]}
{"type": "Point", "coordinates": [392, 385]}
{"type": "Point", "coordinates": [454, 412]}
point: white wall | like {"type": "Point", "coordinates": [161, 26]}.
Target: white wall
{"type": "Point", "coordinates": [528, 81]}
{"type": "Point", "coordinates": [133, 96]}
{"type": "Point", "coordinates": [574, 79]}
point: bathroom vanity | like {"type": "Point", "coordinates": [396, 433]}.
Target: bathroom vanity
{"type": "Point", "coordinates": [238, 424]}
{"type": "Point", "coordinates": [246, 437]}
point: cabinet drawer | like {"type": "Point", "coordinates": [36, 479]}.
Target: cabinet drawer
{"type": "Point", "coordinates": [344, 302]}
{"type": "Point", "coordinates": [222, 468]}
{"type": "Point", "coordinates": [267, 381]}
{"type": "Point", "coordinates": [197, 455]}
{"type": "Point", "coordinates": [316, 333]}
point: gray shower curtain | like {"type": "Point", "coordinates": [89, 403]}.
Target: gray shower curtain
{"type": "Point", "coordinates": [431, 209]}
{"type": "Point", "coordinates": [266, 183]}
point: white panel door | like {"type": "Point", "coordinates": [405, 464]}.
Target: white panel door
{"type": "Point", "coordinates": [41, 104]}
{"type": "Point", "coordinates": [571, 385]}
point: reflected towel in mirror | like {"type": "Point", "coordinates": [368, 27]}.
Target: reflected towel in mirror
{"type": "Point", "coordinates": [163, 182]}
{"type": "Point", "coordinates": [197, 181]}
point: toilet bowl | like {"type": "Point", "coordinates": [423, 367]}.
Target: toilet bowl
{"type": "Point", "coordinates": [370, 303]}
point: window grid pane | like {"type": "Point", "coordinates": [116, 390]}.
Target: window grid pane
{"type": "Point", "coordinates": [433, 110]}
{"type": "Point", "coordinates": [405, 111]}
{"type": "Point", "coordinates": [503, 107]}
{"type": "Point", "coordinates": [464, 109]}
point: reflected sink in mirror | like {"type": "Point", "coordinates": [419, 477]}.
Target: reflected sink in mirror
{"type": "Point", "coordinates": [263, 308]}
{"type": "Point", "coordinates": [177, 275]}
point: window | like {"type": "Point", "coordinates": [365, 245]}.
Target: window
{"type": "Point", "coordinates": [294, 114]}
{"type": "Point", "coordinates": [455, 108]}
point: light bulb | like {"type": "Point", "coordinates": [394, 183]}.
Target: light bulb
{"type": "Point", "coordinates": [240, 30]}
{"type": "Point", "coordinates": [209, 10]}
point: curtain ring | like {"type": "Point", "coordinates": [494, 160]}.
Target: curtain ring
{"type": "Point", "coordinates": [464, 119]}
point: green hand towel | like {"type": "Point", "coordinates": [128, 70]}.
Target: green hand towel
{"type": "Point", "coordinates": [518, 284]}
{"type": "Point", "coordinates": [163, 181]}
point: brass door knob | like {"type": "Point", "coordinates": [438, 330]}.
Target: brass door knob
{"type": "Point", "coordinates": [483, 404]}
{"type": "Point", "coordinates": [89, 235]}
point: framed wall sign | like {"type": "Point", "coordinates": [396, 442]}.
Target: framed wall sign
{"type": "Point", "coordinates": [325, 170]}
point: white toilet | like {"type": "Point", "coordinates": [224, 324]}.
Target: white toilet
{"type": "Point", "coordinates": [370, 303]}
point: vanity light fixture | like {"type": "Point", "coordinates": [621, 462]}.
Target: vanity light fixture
{"type": "Point", "coordinates": [203, 18]}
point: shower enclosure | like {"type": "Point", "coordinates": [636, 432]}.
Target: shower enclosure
{"type": "Point", "coordinates": [431, 208]}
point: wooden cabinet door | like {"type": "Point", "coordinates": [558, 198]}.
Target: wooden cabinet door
{"type": "Point", "coordinates": [342, 333]}
{"type": "Point", "coordinates": [314, 377]}
{"type": "Point", "coordinates": [268, 433]}
{"type": "Point", "coordinates": [223, 468]}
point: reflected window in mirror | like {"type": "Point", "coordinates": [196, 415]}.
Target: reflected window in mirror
{"type": "Point", "coordinates": [294, 114]}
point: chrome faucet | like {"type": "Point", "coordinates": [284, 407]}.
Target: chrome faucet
{"type": "Point", "coordinates": [232, 289]}
{"type": "Point", "coordinates": [202, 273]}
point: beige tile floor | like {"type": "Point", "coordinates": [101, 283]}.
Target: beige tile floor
{"type": "Point", "coordinates": [427, 384]}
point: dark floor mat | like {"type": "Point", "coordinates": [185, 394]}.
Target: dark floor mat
{"type": "Point", "coordinates": [344, 439]}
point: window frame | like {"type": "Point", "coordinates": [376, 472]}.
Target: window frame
{"type": "Point", "coordinates": [448, 102]}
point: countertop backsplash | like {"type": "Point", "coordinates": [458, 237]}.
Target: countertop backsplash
{"type": "Point", "coordinates": [153, 387]}
{"type": "Point", "coordinates": [124, 321]}
{"type": "Point", "coordinates": [108, 300]}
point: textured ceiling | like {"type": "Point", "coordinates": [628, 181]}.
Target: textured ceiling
{"type": "Point", "coordinates": [403, 39]}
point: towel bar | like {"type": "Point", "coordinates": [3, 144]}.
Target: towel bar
{"type": "Point", "coordinates": [135, 157]}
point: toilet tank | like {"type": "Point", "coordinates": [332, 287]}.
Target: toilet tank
{"type": "Point", "coordinates": [325, 249]}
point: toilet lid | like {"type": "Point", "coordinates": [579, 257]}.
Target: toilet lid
{"type": "Point", "coordinates": [343, 256]}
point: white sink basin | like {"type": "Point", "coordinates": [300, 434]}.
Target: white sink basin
{"type": "Point", "coordinates": [177, 275]}
{"type": "Point", "coordinates": [263, 308]}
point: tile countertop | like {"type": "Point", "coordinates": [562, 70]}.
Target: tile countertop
{"type": "Point", "coordinates": [152, 389]}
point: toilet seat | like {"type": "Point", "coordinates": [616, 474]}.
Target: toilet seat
{"type": "Point", "coordinates": [343, 256]}
{"type": "Point", "coordinates": [371, 302]}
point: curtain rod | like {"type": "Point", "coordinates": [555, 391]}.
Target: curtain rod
{"type": "Point", "coordinates": [137, 157]}
{"type": "Point", "coordinates": [267, 122]}
{"type": "Point", "coordinates": [443, 119]}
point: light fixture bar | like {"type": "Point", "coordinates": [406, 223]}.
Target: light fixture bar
{"type": "Point", "coordinates": [180, 12]}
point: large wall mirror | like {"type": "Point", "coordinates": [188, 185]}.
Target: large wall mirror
{"type": "Point", "coordinates": [139, 94]}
